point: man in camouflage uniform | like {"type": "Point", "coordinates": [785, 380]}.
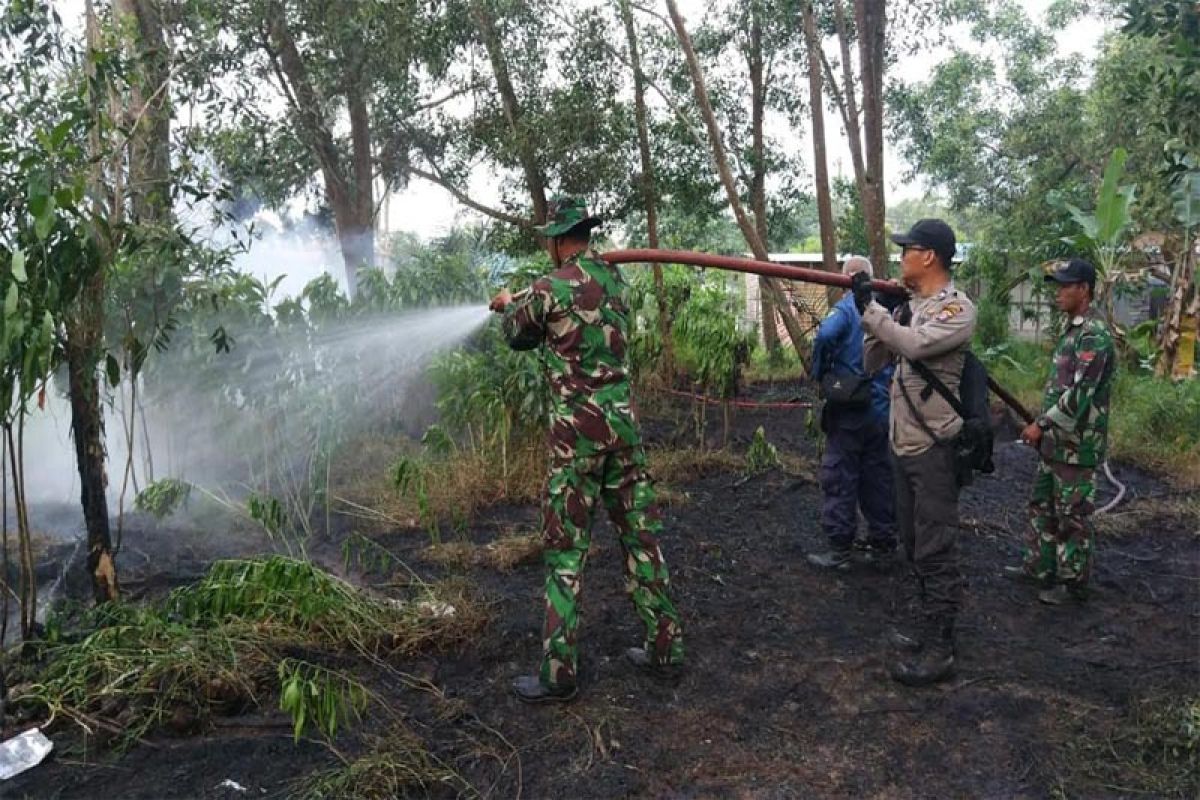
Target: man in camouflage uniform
{"type": "Point", "coordinates": [578, 314]}
{"type": "Point", "coordinates": [934, 328]}
{"type": "Point", "coordinates": [1071, 435]}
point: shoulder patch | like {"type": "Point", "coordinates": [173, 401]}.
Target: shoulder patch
{"type": "Point", "coordinates": [949, 311]}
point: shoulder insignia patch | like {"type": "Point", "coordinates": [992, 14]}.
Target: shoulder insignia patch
{"type": "Point", "coordinates": [949, 311]}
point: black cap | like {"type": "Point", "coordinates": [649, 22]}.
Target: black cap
{"type": "Point", "coordinates": [1074, 271]}
{"type": "Point", "coordinates": [931, 233]}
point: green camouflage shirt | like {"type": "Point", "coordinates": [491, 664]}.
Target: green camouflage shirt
{"type": "Point", "coordinates": [1078, 392]}
{"type": "Point", "coordinates": [580, 314]}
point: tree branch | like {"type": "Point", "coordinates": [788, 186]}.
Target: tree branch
{"type": "Point", "coordinates": [503, 216]}
{"type": "Point", "coordinates": [431, 104]}
{"type": "Point", "coordinates": [293, 76]}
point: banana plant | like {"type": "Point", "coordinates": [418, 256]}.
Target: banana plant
{"type": "Point", "coordinates": [1183, 276]}
{"type": "Point", "coordinates": [1103, 232]}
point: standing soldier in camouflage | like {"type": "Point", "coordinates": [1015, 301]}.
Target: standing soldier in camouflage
{"type": "Point", "coordinates": [578, 314]}
{"type": "Point", "coordinates": [1071, 436]}
{"type": "Point", "coordinates": [934, 328]}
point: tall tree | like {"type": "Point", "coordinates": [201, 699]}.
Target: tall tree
{"type": "Point", "coordinates": [721, 162]}
{"type": "Point", "coordinates": [349, 182]}
{"type": "Point", "coordinates": [347, 76]}
{"type": "Point", "coordinates": [518, 129]}
{"type": "Point", "coordinates": [812, 45]}
{"type": "Point", "coordinates": [871, 21]}
{"type": "Point", "coordinates": [646, 178]}
{"type": "Point", "coordinates": [758, 156]}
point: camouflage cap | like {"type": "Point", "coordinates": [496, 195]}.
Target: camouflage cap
{"type": "Point", "coordinates": [564, 215]}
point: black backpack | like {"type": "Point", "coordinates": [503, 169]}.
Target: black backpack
{"type": "Point", "coordinates": [973, 445]}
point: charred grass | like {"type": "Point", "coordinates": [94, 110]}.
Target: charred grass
{"type": "Point", "coordinates": [1151, 750]}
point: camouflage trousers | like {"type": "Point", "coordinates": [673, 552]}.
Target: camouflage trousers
{"type": "Point", "coordinates": [619, 478]}
{"type": "Point", "coordinates": [1059, 540]}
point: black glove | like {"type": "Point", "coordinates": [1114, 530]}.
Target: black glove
{"type": "Point", "coordinates": [860, 284]}
{"type": "Point", "coordinates": [890, 301]}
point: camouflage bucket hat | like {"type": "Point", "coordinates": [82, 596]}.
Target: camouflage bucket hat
{"type": "Point", "coordinates": [566, 214]}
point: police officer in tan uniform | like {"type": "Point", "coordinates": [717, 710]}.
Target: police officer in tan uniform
{"type": "Point", "coordinates": [935, 327]}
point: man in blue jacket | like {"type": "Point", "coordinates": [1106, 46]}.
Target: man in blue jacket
{"type": "Point", "coordinates": [855, 471]}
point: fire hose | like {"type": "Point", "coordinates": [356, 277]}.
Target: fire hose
{"type": "Point", "coordinates": [788, 272]}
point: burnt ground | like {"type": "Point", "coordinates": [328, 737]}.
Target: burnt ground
{"type": "Point", "coordinates": [786, 692]}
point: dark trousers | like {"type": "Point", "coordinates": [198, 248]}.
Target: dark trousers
{"type": "Point", "coordinates": [927, 515]}
{"type": "Point", "coordinates": [856, 473]}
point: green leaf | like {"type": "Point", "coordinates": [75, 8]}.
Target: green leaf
{"type": "Point", "coordinates": [1187, 200]}
{"type": "Point", "coordinates": [10, 301]}
{"type": "Point", "coordinates": [44, 222]}
{"type": "Point", "coordinates": [1113, 202]}
{"type": "Point", "coordinates": [18, 267]}
{"type": "Point", "coordinates": [113, 368]}
{"type": "Point", "coordinates": [60, 131]}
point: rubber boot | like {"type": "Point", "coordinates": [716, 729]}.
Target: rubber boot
{"type": "Point", "coordinates": [934, 662]}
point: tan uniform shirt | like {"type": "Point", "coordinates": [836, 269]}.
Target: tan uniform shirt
{"type": "Point", "coordinates": [939, 334]}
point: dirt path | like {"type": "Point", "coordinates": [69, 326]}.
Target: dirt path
{"type": "Point", "coordinates": [786, 692]}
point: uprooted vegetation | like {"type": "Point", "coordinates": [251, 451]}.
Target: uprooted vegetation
{"type": "Point", "coordinates": [249, 632]}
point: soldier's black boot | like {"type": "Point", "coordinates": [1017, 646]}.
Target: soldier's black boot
{"type": "Point", "coordinates": [1019, 574]}
{"type": "Point", "coordinates": [530, 689]}
{"type": "Point", "coordinates": [910, 625]}
{"type": "Point", "coordinates": [1062, 594]}
{"type": "Point", "coordinates": [935, 661]}
{"type": "Point", "coordinates": [640, 657]}
{"type": "Point", "coordinates": [906, 637]}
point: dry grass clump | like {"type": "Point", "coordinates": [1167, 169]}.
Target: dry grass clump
{"type": "Point", "coordinates": [397, 764]}
{"type": "Point", "coordinates": [502, 554]}
{"type": "Point", "coordinates": [674, 466]}
{"type": "Point", "coordinates": [447, 489]}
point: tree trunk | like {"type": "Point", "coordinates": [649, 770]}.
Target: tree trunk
{"type": "Point", "coordinates": [84, 324]}
{"type": "Point", "coordinates": [758, 177]}
{"type": "Point", "coordinates": [820, 168]}
{"type": "Point", "coordinates": [721, 161]}
{"type": "Point", "coordinates": [148, 110]}
{"type": "Point", "coordinates": [84, 329]}
{"type": "Point", "coordinates": [871, 17]}
{"type": "Point", "coordinates": [1183, 284]}
{"type": "Point", "coordinates": [649, 187]}
{"type": "Point", "coordinates": [357, 234]}
{"type": "Point", "coordinates": [353, 219]}
{"type": "Point", "coordinates": [535, 181]}
{"type": "Point", "coordinates": [847, 99]}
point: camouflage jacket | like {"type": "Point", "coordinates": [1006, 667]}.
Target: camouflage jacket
{"type": "Point", "coordinates": [579, 313]}
{"type": "Point", "coordinates": [1077, 393]}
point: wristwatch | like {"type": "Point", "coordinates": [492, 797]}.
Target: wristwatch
{"type": "Point", "coordinates": [1044, 424]}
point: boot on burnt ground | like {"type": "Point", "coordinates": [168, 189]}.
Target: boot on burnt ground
{"type": "Point", "coordinates": [908, 627]}
{"type": "Point", "coordinates": [933, 661]}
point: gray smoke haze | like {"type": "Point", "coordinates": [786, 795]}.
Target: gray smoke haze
{"type": "Point", "coordinates": [195, 439]}
{"type": "Point", "coordinates": [193, 433]}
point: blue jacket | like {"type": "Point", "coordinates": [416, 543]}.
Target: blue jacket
{"type": "Point", "coordinates": [839, 349]}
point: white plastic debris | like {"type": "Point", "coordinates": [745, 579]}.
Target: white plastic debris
{"type": "Point", "coordinates": [230, 783]}
{"type": "Point", "coordinates": [436, 609]}
{"type": "Point", "coordinates": [22, 752]}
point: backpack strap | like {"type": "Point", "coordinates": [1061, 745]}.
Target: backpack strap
{"type": "Point", "coordinates": [936, 383]}
{"type": "Point", "coordinates": [918, 416]}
